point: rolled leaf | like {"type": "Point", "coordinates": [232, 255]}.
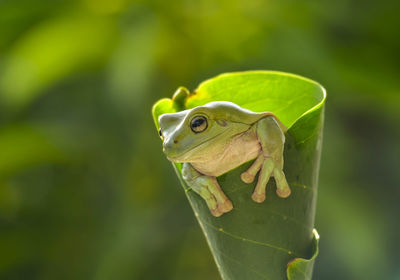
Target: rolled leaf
{"type": "Point", "coordinates": [275, 239]}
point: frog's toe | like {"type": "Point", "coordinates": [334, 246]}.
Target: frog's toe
{"type": "Point", "coordinates": [247, 177]}
{"type": "Point", "coordinates": [258, 197]}
{"type": "Point", "coordinates": [225, 206]}
{"type": "Point", "coordinates": [283, 193]}
{"type": "Point", "coordinates": [216, 212]}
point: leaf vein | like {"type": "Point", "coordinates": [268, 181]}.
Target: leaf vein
{"type": "Point", "coordinates": [289, 252]}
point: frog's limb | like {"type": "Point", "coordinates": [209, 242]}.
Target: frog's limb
{"type": "Point", "coordinates": [194, 180]}
{"type": "Point", "coordinates": [282, 186]}
{"type": "Point", "coordinates": [272, 142]}
{"type": "Point", "coordinates": [224, 204]}
{"type": "Point", "coordinates": [265, 173]}
{"type": "Point", "coordinates": [208, 188]}
{"type": "Point", "coordinates": [249, 175]}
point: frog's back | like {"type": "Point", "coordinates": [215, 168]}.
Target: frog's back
{"type": "Point", "coordinates": [230, 111]}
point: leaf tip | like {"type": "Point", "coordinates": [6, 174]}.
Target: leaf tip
{"type": "Point", "coordinates": [300, 268]}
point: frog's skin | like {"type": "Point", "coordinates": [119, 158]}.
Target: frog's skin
{"type": "Point", "coordinates": [213, 139]}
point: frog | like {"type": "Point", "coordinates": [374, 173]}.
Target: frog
{"type": "Point", "coordinates": [217, 137]}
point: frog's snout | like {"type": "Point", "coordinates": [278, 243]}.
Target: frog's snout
{"type": "Point", "coordinates": [169, 145]}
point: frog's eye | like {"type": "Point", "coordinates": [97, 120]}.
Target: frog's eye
{"type": "Point", "coordinates": [160, 133]}
{"type": "Point", "coordinates": [199, 124]}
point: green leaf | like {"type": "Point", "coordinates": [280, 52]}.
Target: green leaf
{"type": "Point", "coordinates": [299, 268]}
{"type": "Point", "coordinates": [258, 241]}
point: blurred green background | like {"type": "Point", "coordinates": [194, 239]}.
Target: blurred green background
{"type": "Point", "coordinates": [85, 191]}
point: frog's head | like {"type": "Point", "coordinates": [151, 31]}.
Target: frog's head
{"type": "Point", "coordinates": [192, 133]}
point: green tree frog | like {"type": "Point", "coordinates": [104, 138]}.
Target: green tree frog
{"type": "Point", "coordinates": [213, 139]}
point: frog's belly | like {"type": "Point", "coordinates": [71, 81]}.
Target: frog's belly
{"type": "Point", "coordinates": [240, 150]}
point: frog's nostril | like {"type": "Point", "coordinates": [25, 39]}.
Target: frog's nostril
{"type": "Point", "coordinates": [175, 141]}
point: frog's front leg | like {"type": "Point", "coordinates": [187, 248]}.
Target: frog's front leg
{"type": "Point", "coordinates": [208, 188]}
{"type": "Point", "coordinates": [270, 160]}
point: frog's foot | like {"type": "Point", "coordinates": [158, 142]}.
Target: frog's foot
{"type": "Point", "coordinates": [210, 201]}
{"type": "Point", "coordinates": [247, 177]}
{"type": "Point", "coordinates": [283, 193]}
{"type": "Point", "coordinates": [208, 188]}
{"type": "Point", "coordinates": [221, 208]}
{"type": "Point", "coordinates": [225, 206]}
{"type": "Point", "coordinates": [258, 197]}
{"type": "Point", "coordinates": [265, 173]}
{"type": "Point", "coordinates": [216, 212]}
{"type": "Point", "coordinates": [282, 187]}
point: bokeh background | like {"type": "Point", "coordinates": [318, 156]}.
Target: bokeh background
{"type": "Point", "coordinates": [85, 191]}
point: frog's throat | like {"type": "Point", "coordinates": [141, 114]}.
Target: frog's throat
{"type": "Point", "coordinates": [183, 157]}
